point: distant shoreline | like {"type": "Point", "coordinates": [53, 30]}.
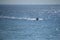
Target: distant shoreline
{"type": "Point", "coordinates": [33, 4]}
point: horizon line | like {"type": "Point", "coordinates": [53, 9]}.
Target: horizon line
{"type": "Point", "coordinates": [30, 4]}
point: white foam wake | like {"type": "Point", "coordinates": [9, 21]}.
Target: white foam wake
{"type": "Point", "coordinates": [19, 18]}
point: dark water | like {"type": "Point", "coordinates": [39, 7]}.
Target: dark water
{"type": "Point", "coordinates": [15, 29]}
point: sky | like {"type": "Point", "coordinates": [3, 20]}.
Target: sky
{"type": "Point", "coordinates": [29, 1]}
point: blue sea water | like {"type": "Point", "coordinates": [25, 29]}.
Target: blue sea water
{"type": "Point", "coordinates": [21, 29]}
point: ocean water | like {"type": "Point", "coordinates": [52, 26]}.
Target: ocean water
{"type": "Point", "coordinates": [18, 22]}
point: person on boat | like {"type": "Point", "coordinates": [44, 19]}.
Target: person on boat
{"type": "Point", "coordinates": [37, 19]}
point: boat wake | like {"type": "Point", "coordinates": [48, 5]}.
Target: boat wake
{"type": "Point", "coordinates": [20, 18]}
